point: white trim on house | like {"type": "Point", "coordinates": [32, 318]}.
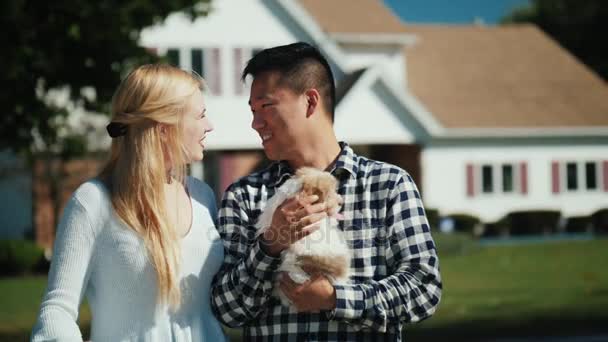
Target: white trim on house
{"type": "Point", "coordinates": [409, 106]}
{"type": "Point", "coordinates": [404, 39]}
{"type": "Point", "coordinates": [524, 132]}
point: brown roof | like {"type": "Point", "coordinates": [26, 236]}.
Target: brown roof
{"type": "Point", "coordinates": [504, 76]}
{"type": "Point", "coordinates": [348, 16]}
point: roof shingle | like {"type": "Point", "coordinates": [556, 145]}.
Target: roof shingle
{"type": "Point", "coordinates": [505, 76]}
{"type": "Point", "coordinates": [348, 16]}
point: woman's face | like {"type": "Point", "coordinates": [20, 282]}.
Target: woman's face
{"type": "Point", "coordinates": [196, 127]}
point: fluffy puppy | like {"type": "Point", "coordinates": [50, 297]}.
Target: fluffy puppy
{"type": "Point", "coordinates": [323, 251]}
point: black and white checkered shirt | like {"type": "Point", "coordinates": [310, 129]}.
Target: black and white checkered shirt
{"type": "Point", "coordinates": [394, 270]}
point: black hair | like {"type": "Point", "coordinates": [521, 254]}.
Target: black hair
{"type": "Point", "coordinates": [301, 65]}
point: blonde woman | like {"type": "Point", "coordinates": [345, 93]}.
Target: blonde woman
{"type": "Point", "coordinates": [140, 241]}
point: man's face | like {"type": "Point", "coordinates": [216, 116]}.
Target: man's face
{"type": "Point", "coordinates": [278, 115]}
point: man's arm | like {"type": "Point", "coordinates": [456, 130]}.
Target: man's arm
{"type": "Point", "coordinates": [413, 290]}
{"type": "Point", "coordinates": [242, 287]}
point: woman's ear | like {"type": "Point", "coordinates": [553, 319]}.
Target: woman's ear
{"type": "Point", "coordinates": [312, 99]}
{"type": "Point", "coordinates": [162, 130]}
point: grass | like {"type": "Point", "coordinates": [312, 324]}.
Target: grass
{"type": "Point", "coordinates": [528, 290]}
{"type": "Point", "coordinates": [20, 300]}
{"type": "Point", "coordinates": [548, 289]}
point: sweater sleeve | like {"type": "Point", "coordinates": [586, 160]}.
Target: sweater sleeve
{"type": "Point", "coordinates": [68, 276]}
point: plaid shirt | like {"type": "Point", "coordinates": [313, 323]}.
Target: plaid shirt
{"type": "Point", "coordinates": [394, 269]}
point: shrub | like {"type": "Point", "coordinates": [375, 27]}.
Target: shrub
{"type": "Point", "coordinates": [433, 216]}
{"type": "Point", "coordinates": [599, 220]}
{"type": "Point", "coordinates": [20, 257]}
{"type": "Point", "coordinates": [499, 228]}
{"type": "Point", "coordinates": [465, 223]}
{"type": "Point", "coordinates": [578, 224]}
{"type": "Point", "coordinates": [532, 222]}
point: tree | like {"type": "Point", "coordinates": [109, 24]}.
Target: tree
{"type": "Point", "coordinates": [577, 25]}
{"type": "Point", "coordinates": [81, 47]}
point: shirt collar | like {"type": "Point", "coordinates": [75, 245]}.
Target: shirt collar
{"type": "Point", "coordinates": [346, 162]}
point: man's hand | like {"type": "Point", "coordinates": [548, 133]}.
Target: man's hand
{"type": "Point", "coordinates": [294, 219]}
{"type": "Point", "coordinates": [314, 295]}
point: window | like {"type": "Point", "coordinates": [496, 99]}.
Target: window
{"type": "Point", "coordinates": [591, 175]}
{"type": "Point", "coordinates": [507, 178]}
{"type": "Point", "coordinates": [197, 61]}
{"type": "Point", "coordinates": [206, 62]}
{"type": "Point", "coordinates": [571, 176]}
{"type": "Point", "coordinates": [486, 178]}
{"type": "Point", "coordinates": [255, 51]}
{"type": "Point", "coordinates": [173, 57]}
{"type": "Point", "coordinates": [579, 176]}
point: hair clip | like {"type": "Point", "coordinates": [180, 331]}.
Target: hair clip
{"type": "Point", "coordinates": [116, 129]}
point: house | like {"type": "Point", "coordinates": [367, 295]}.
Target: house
{"type": "Point", "coordinates": [488, 120]}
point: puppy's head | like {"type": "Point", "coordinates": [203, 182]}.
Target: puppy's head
{"type": "Point", "coordinates": [320, 183]}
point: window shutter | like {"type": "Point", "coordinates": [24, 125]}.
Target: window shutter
{"type": "Point", "coordinates": [212, 68]}
{"type": "Point", "coordinates": [470, 170]}
{"type": "Point", "coordinates": [523, 177]}
{"type": "Point", "coordinates": [555, 177]}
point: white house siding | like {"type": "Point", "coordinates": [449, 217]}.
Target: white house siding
{"type": "Point", "coordinates": [368, 116]}
{"type": "Point", "coordinates": [445, 180]}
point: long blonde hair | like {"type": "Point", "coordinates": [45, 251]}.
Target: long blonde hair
{"type": "Point", "coordinates": [136, 172]}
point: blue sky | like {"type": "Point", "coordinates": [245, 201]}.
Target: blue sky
{"type": "Point", "coordinates": [452, 11]}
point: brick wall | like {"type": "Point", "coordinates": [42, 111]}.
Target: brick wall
{"type": "Point", "coordinates": [53, 183]}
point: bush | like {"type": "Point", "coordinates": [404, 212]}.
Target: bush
{"type": "Point", "coordinates": [599, 220]}
{"type": "Point", "coordinates": [433, 216]}
{"type": "Point", "coordinates": [578, 224]}
{"type": "Point", "coordinates": [531, 222]}
{"type": "Point", "coordinates": [19, 257]}
{"type": "Point", "coordinates": [499, 228]}
{"type": "Point", "coordinates": [465, 223]}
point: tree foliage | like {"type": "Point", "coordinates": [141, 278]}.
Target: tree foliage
{"type": "Point", "coordinates": [73, 45]}
{"type": "Point", "coordinates": [579, 26]}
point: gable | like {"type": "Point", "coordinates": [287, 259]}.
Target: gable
{"type": "Point", "coordinates": [370, 113]}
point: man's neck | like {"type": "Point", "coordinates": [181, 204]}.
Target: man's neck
{"type": "Point", "coordinates": [320, 155]}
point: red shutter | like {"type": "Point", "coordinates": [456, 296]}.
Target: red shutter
{"type": "Point", "coordinates": [523, 177]}
{"type": "Point", "coordinates": [216, 86]}
{"type": "Point", "coordinates": [470, 180]}
{"type": "Point", "coordinates": [555, 177]}
{"type": "Point", "coordinates": [605, 172]}
{"type": "Point", "coordinates": [238, 66]}
{"type": "Point", "coordinates": [226, 170]}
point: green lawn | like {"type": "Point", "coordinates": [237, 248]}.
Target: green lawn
{"type": "Point", "coordinates": [527, 290]}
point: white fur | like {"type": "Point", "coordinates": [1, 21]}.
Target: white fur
{"type": "Point", "coordinates": [327, 241]}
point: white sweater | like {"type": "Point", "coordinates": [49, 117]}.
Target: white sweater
{"type": "Point", "coordinates": [98, 256]}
